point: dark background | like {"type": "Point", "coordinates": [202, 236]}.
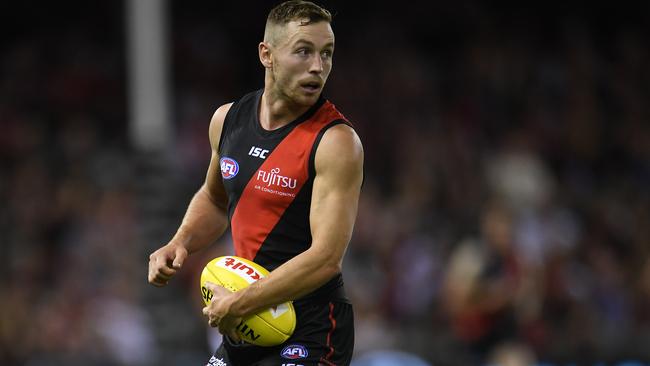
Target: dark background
{"type": "Point", "coordinates": [505, 208]}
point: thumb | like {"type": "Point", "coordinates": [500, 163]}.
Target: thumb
{"type": "Point", "coordinates": [181, 254]}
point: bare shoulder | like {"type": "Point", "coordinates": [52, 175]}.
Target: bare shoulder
{"type": "Point", "coordinates": [216, 124]}
{"type": "Point", "coordinates": [340, 150]}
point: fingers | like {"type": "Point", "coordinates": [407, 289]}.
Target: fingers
{"type": "Point", "coordinates": [213, 320]}
{"type": "Point", "coordinates": [157, 279]}
{"type": "Point", "coordinates": [179, 258]}
{"type": "Point", "coordinates": [234, 335]}
{"type": "Point", "coordinates": [159, 272]}
{"type": "Point", "coordinates": [157, 283]}
{"type": "Point", "coordinates": [228, 326]}
{"type": "Point", "coordinates": [218, 314]}
{"type": "Point", "coordinates": [166, 272]}
{"type": "Point", "coordinates": [224, 325]}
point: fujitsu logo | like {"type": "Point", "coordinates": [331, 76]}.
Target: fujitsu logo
{"type": "Point", "coordinates": [273, 178]}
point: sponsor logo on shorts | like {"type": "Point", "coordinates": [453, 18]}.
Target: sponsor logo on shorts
{"type": "Point", "coordinates": [229, 167]}
{"type": "Point", "coordinates": [294, 351]}
{"type": "Point", "coordinates": [216, 362]}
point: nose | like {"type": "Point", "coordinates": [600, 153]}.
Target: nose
{"type": "Point", "coordinates": [316, 65]}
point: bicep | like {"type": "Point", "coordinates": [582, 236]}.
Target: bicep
{"type": "Point", "coordinates": [337, 185]}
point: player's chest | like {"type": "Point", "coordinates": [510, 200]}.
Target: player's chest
{"type": "Point", "coordinates": [267, 171]}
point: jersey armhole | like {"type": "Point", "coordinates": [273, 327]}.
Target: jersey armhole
{"type": "Point", "coordinates": [226, 124]}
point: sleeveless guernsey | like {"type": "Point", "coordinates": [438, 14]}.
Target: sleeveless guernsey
{"type": "Point", "coordinates": [268, 177]}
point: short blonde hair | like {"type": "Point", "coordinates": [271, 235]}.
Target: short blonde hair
{"type": "Point", "coordinates": [294, 10]}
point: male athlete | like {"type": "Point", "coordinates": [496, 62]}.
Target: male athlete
{"type": "Point", "coordinates": [285, 172]}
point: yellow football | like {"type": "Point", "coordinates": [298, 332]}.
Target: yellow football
{"type": "Point", "coordinates": [269, 327]}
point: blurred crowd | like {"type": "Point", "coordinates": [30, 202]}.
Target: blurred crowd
{"type": "Point", "coordinates": [504, 212]}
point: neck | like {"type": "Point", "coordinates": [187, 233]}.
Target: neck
{"type": "Point", "coordinates": [276, 110]}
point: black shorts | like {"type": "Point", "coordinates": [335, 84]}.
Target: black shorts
{"type": "Point", "coordinates": [324, 335]}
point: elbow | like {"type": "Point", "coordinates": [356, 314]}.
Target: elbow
{"type": "Point", "coordinates": [326, 263]}
{"type": "Point", "coordinates": [334, 268]}
{"type": "Point", "coordinates": [330, 269]}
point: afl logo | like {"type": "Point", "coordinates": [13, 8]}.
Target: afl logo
{"type": "Point", "coordinates": [229, 168]}
{"type": "Point", "coordinates": [294, 351]}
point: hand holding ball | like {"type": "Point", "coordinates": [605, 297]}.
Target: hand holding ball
{"type": "Point", "coordinates": [269, 327]}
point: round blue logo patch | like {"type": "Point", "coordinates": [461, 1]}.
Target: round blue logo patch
{"type": "Point", "coordinates": [229, 167]}
{"type": "Point", "coordinates": [294, 351]}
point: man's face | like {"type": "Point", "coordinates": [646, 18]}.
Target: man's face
{"type": "Point", "coordinates": [302, 60]}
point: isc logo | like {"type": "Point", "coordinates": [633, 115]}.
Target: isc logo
{"type": "Point", "coordinates": [258, 152]}
{"type": "Point", "coordinates": [294, 351]}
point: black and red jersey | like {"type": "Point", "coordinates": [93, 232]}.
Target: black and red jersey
{"type": "Point", "coordinates": [268, 177]}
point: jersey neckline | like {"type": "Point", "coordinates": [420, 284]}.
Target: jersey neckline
{"type": "Point", "coordinates": [269, 133]}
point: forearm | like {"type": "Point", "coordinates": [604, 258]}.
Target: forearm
{"type": "Point", "coordinates": [204, 222]}
{"type": "Point", "coordinates": [298, 277]}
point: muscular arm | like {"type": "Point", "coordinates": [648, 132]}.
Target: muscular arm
{"type": "Point", "coordinates": [205, 219]}
{"type": "Point", "coordinates": [339, 173]}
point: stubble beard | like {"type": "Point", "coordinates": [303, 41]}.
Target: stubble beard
{"type": "Point", "coordinates": [292, 93]}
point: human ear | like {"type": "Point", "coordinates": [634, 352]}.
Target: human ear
{"type": "Point", "coordinates": [264, 51]}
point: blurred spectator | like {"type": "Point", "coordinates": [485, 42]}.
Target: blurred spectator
{"type": "Point", "coordinates": [511, 354]}
{"type": "Point", "coordinates": [487, 285]}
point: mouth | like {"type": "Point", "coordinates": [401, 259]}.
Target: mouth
{"type": "Point", "coordinates": [311, 86]}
